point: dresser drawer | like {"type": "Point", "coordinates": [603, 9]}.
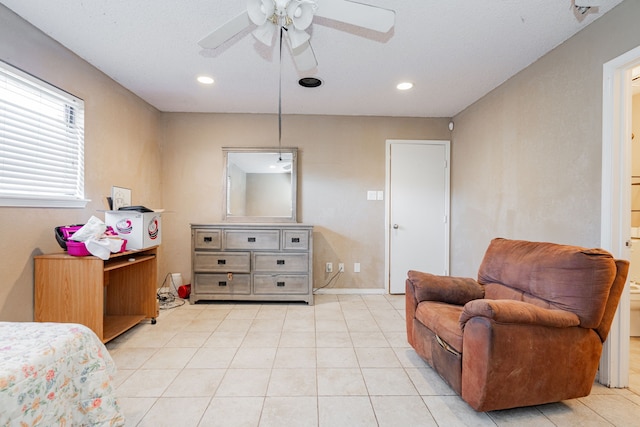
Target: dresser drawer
{"type": "Point", "coordinates": [236, 262]}
{"type": "Point", "coordinates": [248, 239]}
{"type": "Point", "coordinates": [234, 284]}
{"type": "Point", "coordinates": [295, 239]}
{"type": "Point", "coordinates": [270, 262]}
{"type": "Point", "coordinates": [207, 239]}
{"type": "Point", "coordinates": [280, 284]}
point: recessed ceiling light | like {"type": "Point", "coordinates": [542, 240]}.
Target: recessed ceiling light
{"type": "Point", "coordinates": [309, 82]}
{"type": "Point", "coordinates": [205, 80]}
{"type": "Point", "coordinates": [404, 86]}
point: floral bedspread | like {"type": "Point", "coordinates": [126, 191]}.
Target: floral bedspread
{"type": "Point", "coordinates": [55, 374]}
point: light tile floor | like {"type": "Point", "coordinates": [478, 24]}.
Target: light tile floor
{"type": "Point", "coordinates": [341, 362]}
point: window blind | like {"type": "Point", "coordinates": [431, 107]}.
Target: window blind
{"type": "Point", "coordinates": [41, 143]}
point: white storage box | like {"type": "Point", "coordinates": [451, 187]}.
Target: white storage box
{"type": "Point", "coordinates": [142, 230]}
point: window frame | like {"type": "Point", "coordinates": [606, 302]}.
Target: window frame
{"type": "Point", "coordinates": [74, 111]}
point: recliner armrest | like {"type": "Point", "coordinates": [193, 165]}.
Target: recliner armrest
{"type": "Point", "coordinates": [451, 290]}
{"type": "Point", "coordinates": [511, 311]}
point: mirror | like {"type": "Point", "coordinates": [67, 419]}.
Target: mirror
{"type": "Point", "coordinates": [260, 184]}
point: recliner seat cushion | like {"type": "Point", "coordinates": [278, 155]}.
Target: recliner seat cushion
{"type": "Point", "coordinates": [442, 319]}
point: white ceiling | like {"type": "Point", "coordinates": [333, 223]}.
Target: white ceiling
{"type": "Point", "coordinates": [454, 51]}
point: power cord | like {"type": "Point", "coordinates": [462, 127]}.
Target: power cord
{"type": "Point", "coordinates": [169, 300]}
{"type": "Point", "coordinates": [331, 279]}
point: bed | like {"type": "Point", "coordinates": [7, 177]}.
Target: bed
{"type": "Point", "coordinates": [55, 374]}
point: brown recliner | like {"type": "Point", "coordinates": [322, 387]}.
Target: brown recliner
{"type": "Point", "coordinates": [529, 331]}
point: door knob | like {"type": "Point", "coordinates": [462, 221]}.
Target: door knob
{"type": "Point", "coordinates": [395, 226]}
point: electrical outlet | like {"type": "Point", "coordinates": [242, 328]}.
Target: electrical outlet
{"type": "Point", "coordinates": [356, 267]}
{"type": "Point", "coordinates": [341, 267]}
{"type": "Point", "coordinates": [329, 268]}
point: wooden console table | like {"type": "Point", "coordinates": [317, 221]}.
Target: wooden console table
{"type": "Point", "coordinates": [109, 296]}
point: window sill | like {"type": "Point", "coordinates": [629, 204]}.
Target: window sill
{"type": "Point", "coordinates": [22, 202]}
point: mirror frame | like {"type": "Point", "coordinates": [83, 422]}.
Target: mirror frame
{"type": "Point", "coordinates": [294, 184]}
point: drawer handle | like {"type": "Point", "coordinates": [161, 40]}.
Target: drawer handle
{"type": "Point", "coordinates": [222, 283]}
{"type": "Point", "coordinates": [281, 284]}
{"type": "Point", "coordinates": [251, 239]}
{"type": "Point", "coordinates": [222, 261]}
{"type": "Point", "coordinates": [295, 240]}
{"type": "Point", "coordinates": [280, 262]}
{"type": "Point", "coordinates": [208, 239]}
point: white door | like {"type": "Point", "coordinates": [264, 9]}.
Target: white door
{"type": "Point", "coordinates": [616, 203]}
{"type": "Point", "coordinates": [417, 210]}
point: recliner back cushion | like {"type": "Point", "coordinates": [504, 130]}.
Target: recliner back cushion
{"type": "Point", "coordinates": [565, 277]}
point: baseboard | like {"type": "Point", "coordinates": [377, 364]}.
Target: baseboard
{"type": "Point", "coordinates": [348, 291]}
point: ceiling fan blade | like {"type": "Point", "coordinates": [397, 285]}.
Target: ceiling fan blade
{"type": "Point", "coordinates": [297, 38]}
{"type": "Point", "coordinates": [226, 31]}
{"type": "Point", "coordinates": [304, 57]}
{"type": "Point", "coordinates": [362, 15]}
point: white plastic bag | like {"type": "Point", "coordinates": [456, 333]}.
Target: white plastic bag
{"type": "Point", "coordinates": [93, 229]}
{"type": "Point", "coordinates": [103, 247]}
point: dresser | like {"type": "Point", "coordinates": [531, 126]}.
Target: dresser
{"type": "Point", "coordinates": [252, 262]}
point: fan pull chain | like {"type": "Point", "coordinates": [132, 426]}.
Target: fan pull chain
{"type": "Point", "coordinates": [280, 98]}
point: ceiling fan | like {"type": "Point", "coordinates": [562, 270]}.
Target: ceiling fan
{"type": "Point", "coordinates": [293, 17]}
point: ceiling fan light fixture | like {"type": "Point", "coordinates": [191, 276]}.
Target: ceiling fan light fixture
{"type": "Point", "coordinates": [264, 33]}
{"type": "Point", "coordinates": [300, 13]}
{"type": "Point", "coordinates": [260, 10]}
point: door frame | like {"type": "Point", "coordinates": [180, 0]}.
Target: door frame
{"type": "Point", "coordinates": [616, 203]}
{"type": "Point", "coordinates": [387, 214]}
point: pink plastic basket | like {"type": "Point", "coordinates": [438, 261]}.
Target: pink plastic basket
{"type": "Point", "coordinates": [77, 248]}
{"type": "Point", "coordinates": [64, 232]}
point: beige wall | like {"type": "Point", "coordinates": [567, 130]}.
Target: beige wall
{"type": "Point", "coordinates": [339, 159]}
{"type": "Point", "coordinates": [121, 148]}
{"type": "Point", "coordinates": [526, 158]}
